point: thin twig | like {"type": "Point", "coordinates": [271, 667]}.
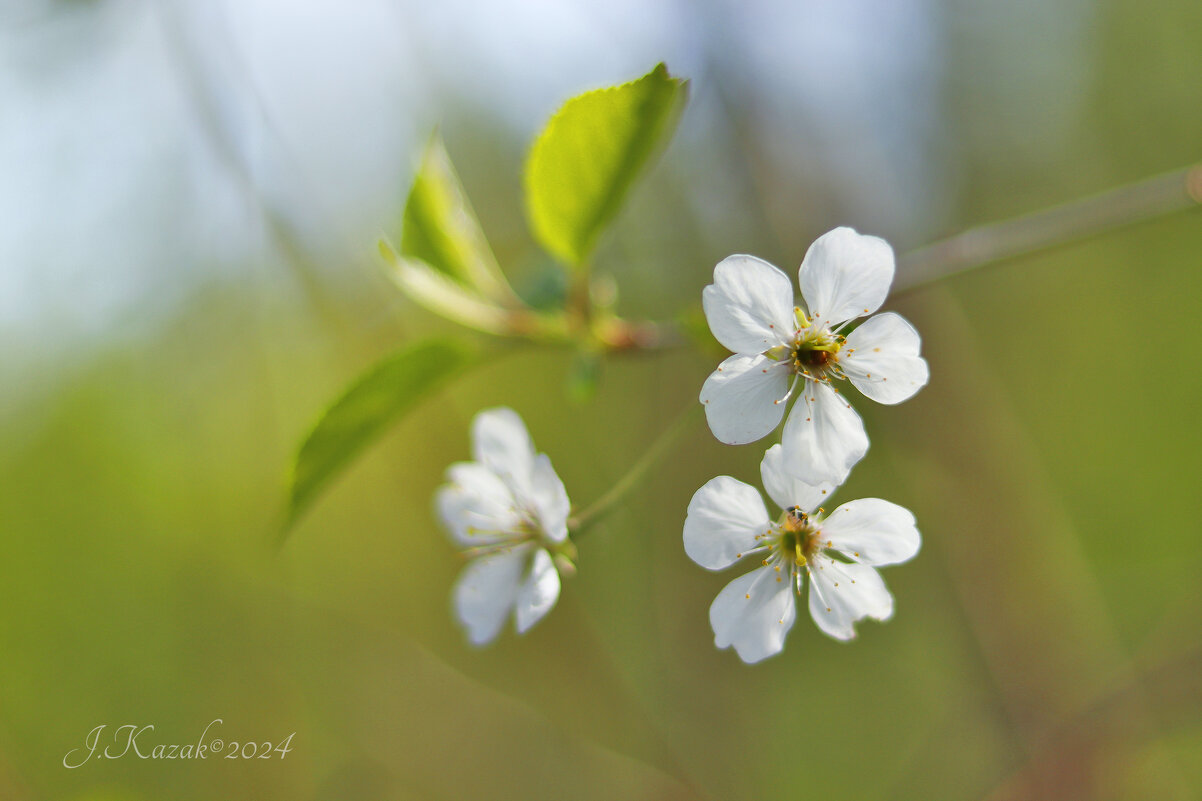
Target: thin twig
{"type": "Point", "coordinates": [1144, 200]}
{"type": "Point", "coordinates": [652, 455]}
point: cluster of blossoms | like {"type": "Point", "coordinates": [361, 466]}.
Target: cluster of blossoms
{"type": "Point", "coordinates": [782, 350]}
{"type": "Point", "coordinates": [508, 509]}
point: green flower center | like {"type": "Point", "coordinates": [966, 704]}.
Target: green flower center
{"type": "Point", "coordinates": [814, 351]}
{"type": "Point", "coordinates": [798, 539]}
{"type": "Point", "coordinates": [813, 359]}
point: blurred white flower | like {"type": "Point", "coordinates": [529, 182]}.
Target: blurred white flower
{"type": "Point", "coordinates": [836, 554]}
{"type": "Point", "coordinates": [509, 510]}
{"type": "Point", "coordinates": [845, 275]}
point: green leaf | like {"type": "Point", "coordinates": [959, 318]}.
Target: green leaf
{"type": "Point", "coordinates": [378, 399]}
{"type": "Point", "coordinates": [445, 296]}
{"type": "Point", "coordinates": [441, 229]}
{"type": "Point", "coordinates": [589, 155]}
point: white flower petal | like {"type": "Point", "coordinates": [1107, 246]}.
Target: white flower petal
{"type": "Point", "coordinates": [742, 398]}
{"type": "Point", "coordinates": [754, 613]}
{"type": "Point", "coordinates": [723, 520]}
{"type": "Point", "coordinates": [500, 441]}
{"type": "Point", "coordinates": [881, 359]}
{"type": "Point", "coordinates": [549, 499]}
{"type": "Point", "coordinates": [486, 590]}
{"type": "Point", "coordinates": [539, 591]}
{"type": "Point", "coordinates": [845, 275]}
{"type": "Point", "coordinates": [823, 437]}
{"type": "Point", "coordinates": [872, 531]}
{"type": "Point", "coordinates": [476, 507]}
{"type": "Point", "coordinates": [785, 489]}
{"type": "Point", "coordinates": [750, 305]}
{"type": "Point", "coordinates": [841, 594]}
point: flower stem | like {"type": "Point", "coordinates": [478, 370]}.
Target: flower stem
{"type": "Point", "coordinates": [579, 301]}
{"type": "Point", "coordinates": [582, 520]}
{"type": "Point", "coordinates": [1148, 199]}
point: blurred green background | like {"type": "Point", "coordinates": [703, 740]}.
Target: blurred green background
{"type": "Point", "coordinates": [187, 277]}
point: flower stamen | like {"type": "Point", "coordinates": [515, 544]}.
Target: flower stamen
{"type": "Point", "coordinates": [789, 394]}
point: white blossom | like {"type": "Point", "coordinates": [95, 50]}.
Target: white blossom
{"type": "Point", "coordinates": [509, 510]}
{"type": "Point", "coordinates": [780, 349]}
{"type": "Point", "coordinates": [835, 554]}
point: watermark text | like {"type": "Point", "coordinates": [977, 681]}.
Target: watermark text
{"type": "Point", "coordinates": [132, 740]}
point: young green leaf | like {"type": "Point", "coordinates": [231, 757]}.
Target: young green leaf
{"type": "Point", "coordinates": [589, 155]}
{"type": "Point", "coordinates": [445, 296]}
{"type": "Point", "coordinates": [441, 229]}
{"type": "Point", "coordinates": [379, 398]}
